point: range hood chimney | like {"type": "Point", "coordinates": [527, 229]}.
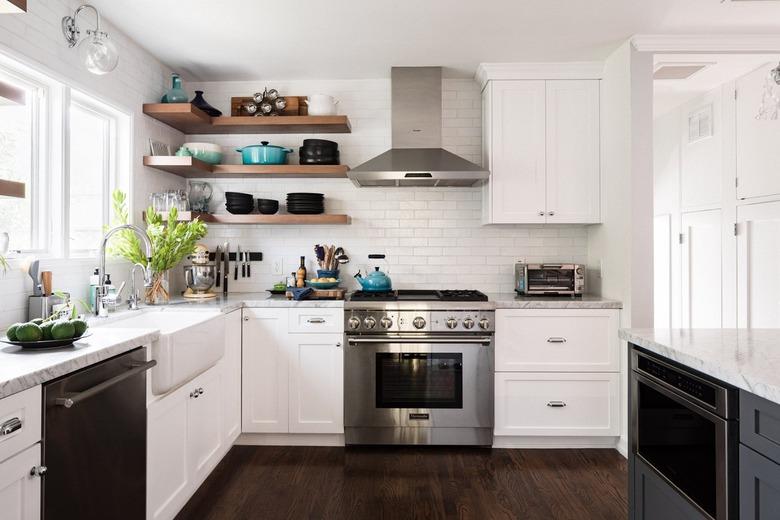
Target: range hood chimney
{"type": "Point", "coordinates": [417, 158]}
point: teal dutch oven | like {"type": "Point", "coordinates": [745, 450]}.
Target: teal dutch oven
{"type": "Point", "coordinates": [264, 153]}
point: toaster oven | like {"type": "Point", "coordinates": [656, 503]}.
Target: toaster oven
{"type": "Point", "coordinates": [550, 279]}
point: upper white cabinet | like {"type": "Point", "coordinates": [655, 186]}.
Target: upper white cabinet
{"type": "Point", "coordinates": [758, 156]}
{"type": "Point", "coordinates": [573, 155]}
{"type": "Point", "coordinates": [542, 146]}
{"type": "Point", "coordinates": [701, 152]}
{"type": "Point", "coordinates": [758, 255]}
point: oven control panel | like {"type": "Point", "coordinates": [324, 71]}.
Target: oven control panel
{"type": "Point", "coordinates": [359, 321]}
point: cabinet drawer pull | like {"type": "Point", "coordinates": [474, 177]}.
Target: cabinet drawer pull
{"type": "Point", "coordinates": [38, 471]}
{"type": "Point", "coordinates": [316, 320]}
{"type": "Point", "coordinates": [541, 213]}
{"type": "Point", "coordinates": [10, 426]}
{"type": "Point", "coordinates": [556, 339]}
{"type": "Point", "coordinates": [556, 404]}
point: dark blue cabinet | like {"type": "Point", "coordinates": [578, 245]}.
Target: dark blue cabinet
{"type": "Point", "coordinates": [655, 499]}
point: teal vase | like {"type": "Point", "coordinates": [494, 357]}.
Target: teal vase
{"type": "Point", "coordinates": [176, 94]}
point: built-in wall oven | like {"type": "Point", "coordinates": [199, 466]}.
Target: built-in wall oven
{"type": "Point", "coordinates": [419, 377]}
{"type": "Point", "coordinates": [684, 427]}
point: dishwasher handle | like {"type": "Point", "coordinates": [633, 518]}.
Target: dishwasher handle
{"type": "Point", "coordinates": [74, 399]}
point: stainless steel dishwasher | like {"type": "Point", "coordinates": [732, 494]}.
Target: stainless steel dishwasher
{"type": "Point", "coordinates": [94, 441]}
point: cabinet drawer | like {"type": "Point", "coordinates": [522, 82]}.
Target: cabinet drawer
{"type": "Point", "coordinates": [759, 486]}
{"type": "Point", "coordinates": [759, 424]}
{"type": "Point", "coordinates": [582, 340]}
{"type": "Point", "coordinates": [316, 321]}
{"type": "Point", "coordinates": [20, 421]}
{"type": "Point", "coordinates": [557, 404]}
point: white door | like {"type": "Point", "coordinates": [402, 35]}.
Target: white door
{"type": "Point", "coordinates": [20, 492]}
{"type": "Point", "coordinates": [204, 423]}
{"type": "Point", "coordinates": [758, 156]}
{"type": "Point", "coordinates": [517, 149]}
{"type": "Point", "coordinates": [701, 269]}
{"type": "Point", "coordinates": [167, 472]}
{"type": "Point", "coordinates": [662, 271]}
{"type": "Point", "coordinates": [231, 378]}
{"type": "Point", "coordinates": [573, 155]}
{"type": "Point", "coordinates": [265, 381]}
{"type": "Point", "coordinates": [316, 383]}
{"type": "Point", "coordinates": [758, 258]}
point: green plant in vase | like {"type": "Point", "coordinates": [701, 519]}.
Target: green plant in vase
{"type": "Point", "coordinates": [172, 241]}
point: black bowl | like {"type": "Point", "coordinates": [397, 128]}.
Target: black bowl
{"type": "Point", "coordinates": [239, 211]}
{"type": "Point", "coordinates": [319, 160]}
{"type": "Point", "coordinates": [237, 195]}
{"type": "Point", "coordinates": [320, 142]}
{"type": "Point", "coordinates": [267, 206]}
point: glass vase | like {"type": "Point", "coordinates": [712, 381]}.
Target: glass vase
{"type": "Point", "coordinates": [176, 94]}
{"type": "Point", "coordinates": [159, 292]}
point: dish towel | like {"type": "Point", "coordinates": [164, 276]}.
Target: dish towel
{"type": "Point", "coordinates": [300, 293]}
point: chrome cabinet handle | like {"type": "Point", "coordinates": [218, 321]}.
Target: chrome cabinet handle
{"type": "Point", "coordinates": [338, 345]}
{"type": "Point", "coordinates": [556, 404]}
{"type": "Point", "coordinates": [556, 340]}
{"type": "Point", "coordinates": [246, 318]}
{"type": "Point", "coordinates": [550, 213]}
{"type": "Point", "coordinates": [541, 213]}
{"type": "Point", "coordinates": [38, 471]}
{"type": "Point", "coordinates": [10, 426]}
{"type": "Point", "coordinates": [316, 320]}
{"type": "Point", "coordinates": [196, 393]}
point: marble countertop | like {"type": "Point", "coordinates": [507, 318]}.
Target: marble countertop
{"type": "Point", "coordinates": [23, 368]}
{"type": "Point", "coordinates": [587, 301]}
{"type": "Point", "coordinates": [745, 358]}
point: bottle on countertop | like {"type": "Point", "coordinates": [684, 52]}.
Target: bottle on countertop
{"type": "Point", "coordinates": [94, 281]}
{"type": "Point", "coordinates": [291, 281]}
{"type": "Point", "coordinates": [300, 274]}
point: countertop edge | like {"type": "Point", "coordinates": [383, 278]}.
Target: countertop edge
{"type": "Point", "coordinates": [721, 372]}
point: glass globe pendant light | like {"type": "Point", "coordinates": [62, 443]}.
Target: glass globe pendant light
{"type": "Point", "coordinates": [97, 52]}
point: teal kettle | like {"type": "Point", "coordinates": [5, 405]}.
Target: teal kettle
{"type": "Point", "coordinates": [375, 281]}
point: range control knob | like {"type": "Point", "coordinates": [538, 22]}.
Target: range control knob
{"type": "Point", "coordinates": [484, 323]}
{"type": "Point", "coordinates": [353, 323]}
{"type": "Point", "coordinates": [386, 322]}
{"type": "Point", "coordinates": [451, 323]}
{"type": "Point", "coordinates": [418, 322]}
{"type": "Point", "coordinates": [369, 322]}
{"type": "Point", "coordinates": [468, 323]}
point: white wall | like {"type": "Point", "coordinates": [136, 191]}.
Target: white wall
{"type": "Point", "coordinates": [433, 236]}
{"type": "Point", "coordinates": [35, 38]}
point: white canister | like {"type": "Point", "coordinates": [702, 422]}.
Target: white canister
{"type": "Point", "coordinates": [322, 105]}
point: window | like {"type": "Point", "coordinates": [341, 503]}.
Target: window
{"type": "Point", "coordinates": [71, 151]}
{"type": "Point", "coordinates": [20, 158]}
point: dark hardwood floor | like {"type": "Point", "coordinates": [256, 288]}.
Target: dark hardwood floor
{"type": "Point", "coordinates": [412, 483]}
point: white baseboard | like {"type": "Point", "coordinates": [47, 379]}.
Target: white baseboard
{"type": "Point", "coordinates": [555, 442]}
{"type": "Point", "coordinates": [622, 447]}
{"type": "Point", "coordinates": [290, 439]}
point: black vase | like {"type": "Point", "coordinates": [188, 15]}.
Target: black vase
{"type": "Point", "coordinates": [201, 103]}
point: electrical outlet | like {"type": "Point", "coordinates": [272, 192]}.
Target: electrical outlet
{"type": "Point", "coordinates": [278, 266]}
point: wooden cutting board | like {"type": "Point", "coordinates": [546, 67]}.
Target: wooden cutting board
{"type": "Point", "coordinates": [323, 294]}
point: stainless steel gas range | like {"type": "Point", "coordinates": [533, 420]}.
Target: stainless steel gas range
{"type": "Point", "coordinates": [418, 368]}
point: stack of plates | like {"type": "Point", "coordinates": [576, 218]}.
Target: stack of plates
{"type": "Point", "coordinates": [239, 203]}
{"type": "Point", "coordinates": [305, 203]}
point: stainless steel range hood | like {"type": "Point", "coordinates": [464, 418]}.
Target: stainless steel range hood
{"type": "Point", "coordinates": [416, 158]}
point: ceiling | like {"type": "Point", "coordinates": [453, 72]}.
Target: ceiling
{"type": "Point", "coordinates": [316, 39]}
{"type": "Point", "coordinates": [721, 68]}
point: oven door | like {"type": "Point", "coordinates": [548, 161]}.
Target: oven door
{"type": "Point", "coordinates": [687, 445]}
{"type": "Point", "coordinates": [418, 382]}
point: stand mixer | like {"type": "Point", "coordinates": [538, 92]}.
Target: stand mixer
{"type": "Point", "coordinates": [200, 276]}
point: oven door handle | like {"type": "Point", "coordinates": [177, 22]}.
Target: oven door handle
{"type": "Point", "coordinates": [481, 340]}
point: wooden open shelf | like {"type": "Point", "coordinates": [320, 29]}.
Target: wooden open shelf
{"type": "Point", "coordinates": [190, 167]}
{"type": "Point", "coordinates": [191, 120]}
{"type": "Point", "coordinates": [12, 189]}
{"type": "Point", "coordinates": [256, 218]}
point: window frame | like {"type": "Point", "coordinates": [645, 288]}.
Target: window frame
{"type": "Point", "coordinates": [49, 187]}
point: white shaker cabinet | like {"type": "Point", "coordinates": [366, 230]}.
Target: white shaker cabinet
{"type": "Point", "coordinates": [20, 492]}
{"type": "Point", "coordinates": [204, 423]}
{"type": "Point", "coordinates": [542, 146]}
{"type": "Point", "coordinates": [515, 119]}
{"type": "Point", "coordinates": [701, 269]}
{"type": "Point", "coordinates": [231, 379]}
{"type": "Point", "coordinates": [758, 255]}
{"type": "Point", "coordinates": [265, 365]}
{"type": "Point", "coordinates": [293, 371]}
{"type": "Point", "coordinates": [316, 383]}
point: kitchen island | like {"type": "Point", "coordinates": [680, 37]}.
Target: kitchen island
{"type": "Point", "coordinates": [704, 423]}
